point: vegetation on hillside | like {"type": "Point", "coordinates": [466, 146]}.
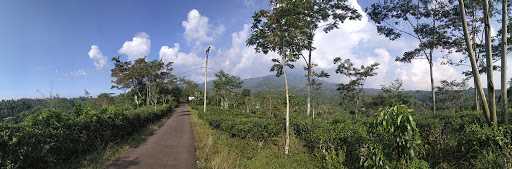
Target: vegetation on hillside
{"type": "Point", "coordinates": [454, 126]}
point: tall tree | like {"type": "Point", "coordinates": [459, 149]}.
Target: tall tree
{"type": "Point", "coordinates": [329, 13]}
{"type": "Point", "coordinates": [316, 84]}
{"type": "Point", "coordinates": [142, 79]}
{"type": "Point", "coordinates": [417, 19]}
{"type": "Point", "coordinates": [280, 30]}
{"type": "Point", "coordinates": [351, 91]}
{"type": "Point", "coordinates": [504, 48]}
{"type": "Point", "coordinates": [451, 94]}
{"type": "Point", "coordinates": [474, 67]}
{"type": "Point", "coordinates": [226, 86]}
{"type": "Point", "coordinates": [488, 50]}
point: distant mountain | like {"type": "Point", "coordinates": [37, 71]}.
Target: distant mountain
{"type": "Point", "coordinates": [296, 83]}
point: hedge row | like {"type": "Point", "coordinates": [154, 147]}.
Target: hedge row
{"type": "Point", "coordinates": [243, 125]}
{"type": "Point", "coordinates": [51, 138]}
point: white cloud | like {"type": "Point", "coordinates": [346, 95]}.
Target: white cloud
{"type": "Point", "coordinates": [356, 40]}
{"type": "Point", "coordinates": [97, 56]}
{"type": "Point", "coordinates": [138, 47]}
{"type": "Point", "coordinates": [167, 54]}
{"type": "Point", "coordinates": [198, 30]}
{"type": "Point", "coordinates": [243, 60]}
{"type": "Point", "coordinates": [416, 75]}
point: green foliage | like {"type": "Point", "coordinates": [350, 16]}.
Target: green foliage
{"type": "Point", "coordinates": [372, 157]}
{"type": "Point", "coordinates": [331, 138]}
{"type": "Point", "coordinates": [395, 129]}
{"type": "Point", "coordinates": [351, 91]}
{"type": "Point", "coordinates": [49, 138]}
{"type": "Point", "coordinates": [226, 88]}
{"type": "Point", "coordinates": [243, 125]}
{"type": "Point", "coordinates": [147, 81]}
{"type": "Point", "coordinates": [333, 159]}
{"type": "Point", "coordinates": [486, 146]}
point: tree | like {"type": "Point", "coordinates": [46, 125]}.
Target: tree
{"type": "Point", "coordinates": [144, 80]}
{"type": "Point", "coordinates": [226, 86]}
{"type": "Point", "coordinates": [351, 91]}
{"type": "Point", "coordinates": [246, 94]}
{"type": "Point", "coordinates": [391, 95]}
{"type": "Point", "coordinates": [329, 13]}
{"type": "Point", "coordinates": [504, 48]}
{"type": "Point", "coordinates": [474, 67]}
{"type": "Point", "coordinates": [280, 30]}
{"type": "Point", "coordinates": [421, 20]}
{"type": "Point", "coordinates": [104, 99]}
{"type": "Point", "coordinates": [488, 51]}
{"type": "Point", "coordinates": [451, 94]}
{"type": "Point", "coordinates": [190, 89]}
{"type": "Point", "coordinates": [316, 84]}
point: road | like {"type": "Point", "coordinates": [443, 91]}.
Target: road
{"type": "Point", "coordinates": [171, 147]}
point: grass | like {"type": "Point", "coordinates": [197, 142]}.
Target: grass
{"type": "Point", "coordinates": [100, 158]}
{"type": "Point", "coordinates": [217, 150]}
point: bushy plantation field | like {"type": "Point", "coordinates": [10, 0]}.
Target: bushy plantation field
{"type": "Point", "coordinates": [51, 138]}
{"type": "Point", "coordinates": [395, 137]}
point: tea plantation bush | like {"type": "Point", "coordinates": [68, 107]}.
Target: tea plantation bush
{"type": "Point", "coordinates": [243, 125]}
{"type": "Point", "coordinates": [463, 140]}
{"type": "Point", "coordinates": [389, 140]}
{"type": "Point", "coordinates": [327, 138]}
{"type": "Point", "coordinates": [50, 138]}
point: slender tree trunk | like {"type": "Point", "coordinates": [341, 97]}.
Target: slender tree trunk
{"type": "Point", "coordinates": [432, 87]}
{"type": "Point", "coordinates": [247, 105]}
{"type": "Point", "coordinates": [488, 51]}
{"type": "Point", "coordinates": [474, 66]}
{"type": "Point", "coordinates": [309, 82]}
{"type": "Point", "coordinates": [477, 103]}
{"type": "Point", "coordinates": [504, 99]}
{"type": "Point", "coordinates": [147, 96]}
{"type": "Point", "coordinates": [287, 142]}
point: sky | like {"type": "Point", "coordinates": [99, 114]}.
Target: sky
{"type": "Point", "coordinates": [65, 46]}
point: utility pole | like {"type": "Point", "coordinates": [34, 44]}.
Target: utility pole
{"type": "Point", "coordinates": [205, 78]}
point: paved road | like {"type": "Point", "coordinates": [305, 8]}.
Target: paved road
{"type": "Point", "coordinates": [171, 147]}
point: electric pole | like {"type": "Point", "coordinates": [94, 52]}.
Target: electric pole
{"type": "Point", "coordinates": [205, 78]}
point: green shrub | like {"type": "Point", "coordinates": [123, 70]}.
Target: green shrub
{"type": "Point", "coordinates": [243, 125]}
{"type": "Point", "coordinates": [395, 129]}
{"type": "Point", "coordinates": [50, 138]}
{"type": "Point", "coordinates": [372, 157]}
{"type": "Point", "coordinates": [486, 146]}
{"type": "Point", "coordinates": [335, 136]}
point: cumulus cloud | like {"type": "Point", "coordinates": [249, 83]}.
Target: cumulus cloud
{"type": "Point", "coordinates": [243, 60]}
{"type": "Point", "coordinates": [417, 74]}
{"type": "Point", "coordinates": [167, 54]}
{"type": "Point", "coordinates": [138, 47]}
{"type": "Point", "coordinates": [198, 30]}
{"type": "Point", "coordinates": [97, 56]}
{"type": "Point", "coordinates": [356, 40]}
{"type": "Point", "coordinates": [363, 45]}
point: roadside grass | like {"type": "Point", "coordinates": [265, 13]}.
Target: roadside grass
{"type": "Point", "coordinates": [217, 150]}
{"type": "Point", "coordinates": [100, 158]}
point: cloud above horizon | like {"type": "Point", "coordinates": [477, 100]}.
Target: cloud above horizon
{"type": "Point", "coordinates": [361, 43]}
{"type": "Point", "coordinates": [138, 47]}
{"type": "Point", "coordinates": [198, 30]}
{"type": "Point", "coordinates": [97, 56]}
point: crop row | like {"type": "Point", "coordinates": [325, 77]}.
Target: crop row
{"type": "Point", "coordinates": [243, 125]}
{"type": "Point", "coordinates": [50, 138]}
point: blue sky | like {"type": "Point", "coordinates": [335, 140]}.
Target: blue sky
{"type": "Point", "coordinates": [46, 42]}
{"type": "Point", "coordinates": [64, 46]}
